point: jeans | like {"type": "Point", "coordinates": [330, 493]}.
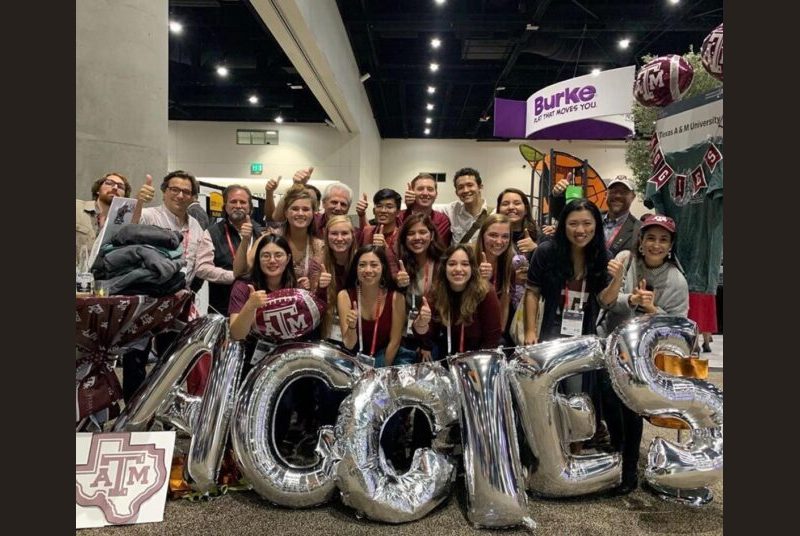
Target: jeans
{"type": "Point", "coordinates": [404, 356]}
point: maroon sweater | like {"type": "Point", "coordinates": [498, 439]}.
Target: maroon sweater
{"type": "Point", "coordinates": [482, 333]}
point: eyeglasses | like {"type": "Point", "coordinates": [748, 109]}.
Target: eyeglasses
{"type": "Point", "coordinates": [276, 256]}
{"type": "Point", "coordinates": [115, 184]}
{"type": "Point", "coordinates": [174, 190]}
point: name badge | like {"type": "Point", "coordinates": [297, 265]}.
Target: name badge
{"type": "Point", "coordinates": [409, 325]}
{"type": "Point", "coordinates": [572, 323]}
{"type": "Point", "coordinates": [336, 330]}
{"type": "Point", "coordinates": [263, 349]}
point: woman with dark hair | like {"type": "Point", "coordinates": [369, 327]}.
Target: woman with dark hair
{"type": "Point", "coordinates": [514, 204]}
{"type": "Point", "coordinates": [272, 271]}
{"type": "Point", "coordinates": [494, 241]}
{"type": "Point", "coordinates": [371, 314]}
{"type": "Point", "coordinates": [340, 248]}
{"type": "Point", "coordinates": [465, 311]}
{"type": "Point", "coordinates": [653, 284]}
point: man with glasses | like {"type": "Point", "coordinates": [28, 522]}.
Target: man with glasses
{"type": "Point", "coordinates": [90, 216]}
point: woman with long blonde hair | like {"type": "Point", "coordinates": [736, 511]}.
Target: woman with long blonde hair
{"type": "Point", "coordinates": [340, 248]}
{"type": "Point", "coordinates": [494, 241]}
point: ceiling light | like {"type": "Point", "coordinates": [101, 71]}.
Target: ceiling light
{"type": "Point", "coordinates": [429, 106]}
{"type": "Point", "coordinates": [295, 86]}
{"type": "Point", "coordinates": [175, 27]}
{"type": "Point", "coordinates": [436, 42]}
{"type": "Point", "coordinates": [595, 72]}
{"type": "Point", "coordinates": [623, 43]}
{"type": "Point", "coordinates": [427, 131]}
{"type": "Point", "coordinates": [440, 2]}
{"type": "Point", "coordinates": [500, 88]}
{"type": "Point", "coordinates": [222, 71]}
{"type": "Point", "coordinates": [428, 120]}
{"type": "Point", "coordinates": [279, 119]}
{"type": "Point", "coordinates": [431, 90]}
{"type": "Point", "coordinates": [253, 99]}
{"type": "Point", "coordinates": [674, 1]}
{"type": "Point", "coordinates": [531, 27]}
{"type": "Point", "coordinates": [364, 77]}
{"type": "Point", "coordinates": [434, 67]}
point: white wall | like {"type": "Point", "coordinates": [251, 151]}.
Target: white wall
{"type": "Point", "coordinates": [500, 163]}
{"type": "Point", "coordinates": [208, 149]}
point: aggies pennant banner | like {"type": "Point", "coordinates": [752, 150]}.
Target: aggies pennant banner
{"type": "Point", "coordinates": [698, 178]}
{"type": "Point", "coordinates": [712, 157]}
{"type": "Point", "coordinates": [662, 177]}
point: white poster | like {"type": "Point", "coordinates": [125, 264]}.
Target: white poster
{"type": "Point", "coordinates": [121, 478]}
{"type": "Point", "coordinates": [684, 128]}
{"type": "Point", "coordinates": [609, 93]}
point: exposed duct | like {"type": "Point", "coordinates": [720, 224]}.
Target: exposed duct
{"type": "Point", "coordinates": [566, 50]}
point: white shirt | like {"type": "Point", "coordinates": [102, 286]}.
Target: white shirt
{"type": "Point", "coordinates": [461, 221]}
{"type": "Point", "coordinates": [192, 233]}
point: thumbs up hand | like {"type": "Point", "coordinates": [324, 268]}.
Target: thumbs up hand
{"type": "Point", "coordinates": [303, 175]}
{"type": "Point", "coordinates": [146, 192]}
{"type": "Point", "coordinates": [485, 267]}
{"type": "Point", "coordinates": [246, 231]}
{"type": "Point", "coordinates": [352, 316]}
{"type": "Point", "coordinates": [526, 243]}
{"type": "Point", "coordinates": [361, 206]}
{"type": "Point", "coordinates": [258, 298]}
{"type": "Point", "coordinates": [410, 196]}
{"type": "Point", "coordinates": [403, 278]}
{"type": "Point", "coordinates": [272, 184]}
{"type": "Point", "coordinates": [324, 278]}
{"type": "Point", "coordinates": [378, 239]}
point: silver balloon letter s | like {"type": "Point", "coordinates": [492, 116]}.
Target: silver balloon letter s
{"type": "Point", "coordinates": [677, 472]}
{"type": "Point", "coordinates": [551, 421]}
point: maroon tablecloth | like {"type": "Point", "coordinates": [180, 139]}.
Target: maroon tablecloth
{"type": "Point", "coordinates": [103, 328]}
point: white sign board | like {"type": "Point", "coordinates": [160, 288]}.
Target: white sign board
{"type": "Point", "coordinates": [121, 478]}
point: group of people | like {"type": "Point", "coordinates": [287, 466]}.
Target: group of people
{"type": "Point", "coordinates": [417, 283]}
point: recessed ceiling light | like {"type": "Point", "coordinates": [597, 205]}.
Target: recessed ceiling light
{"type": "Point", "coordinates": [429, 106]}
{"type": "Point", "coordinates": [674, 1]}
{"type": "Point", "coordinates": [427, 131]}
{"type": "Point", "coordinates": [175, 27]}
{"type": "Point", "coordinates": [440, 2]}
{"type": "Point", "coordinates": [295, 86]}
{"type": "Point", "coordinates": [253, 99]}
{"type": "Point", "coordinates": [434, 67]}
{"type": "Point", "coordinates": [431, 90]}
{"type": "Point", "coordinates": [436, 42]}
{"type": "Point", "coordinates": [623, 43]}
{"type": "Point", "coordinates": [428, 120]}
{"type": "Point", "coordinates": [279, 119]}
{"type": "Point", "coordinates": [595, 72]}
{"type": "Point", "coordinates": [222, 71]}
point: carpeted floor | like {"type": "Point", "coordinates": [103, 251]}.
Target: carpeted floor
{"type": "Point", "coordinates": [244, 513]}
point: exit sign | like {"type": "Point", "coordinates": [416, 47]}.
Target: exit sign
{"type": "Point", "coordinates": [256, 169]}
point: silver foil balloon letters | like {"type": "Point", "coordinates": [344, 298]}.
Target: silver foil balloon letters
{"type": "Point", "coordinates": [680, 472]}
{"type": "Point", "coordinates": [367, 480]}
{"type": "Point", "coordinates": [551, 421]}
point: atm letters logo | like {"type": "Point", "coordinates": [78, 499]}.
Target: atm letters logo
{"type": "Point", "coordinates": [119, 477]}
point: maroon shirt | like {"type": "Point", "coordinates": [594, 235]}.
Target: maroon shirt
{"type": "Point", "coordinates": [481, 334]}
{"type": "Point", "coordinates": [391, 245]}
{"type": "Point", "coordinates": [384, 331]}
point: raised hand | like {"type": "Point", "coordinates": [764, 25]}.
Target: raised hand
{"type": "Point", "coordinates": [643, 298]}
{"type": "Point", "coordinates": [303, 175]}
{"type": "Point", "coordinates": [304, 283]}
{"type": "Point", "coordinates": [361, 206]}
{"type": "Point", "coordinates": [258, 298]}
{"type": "Point", "coordinates": [485, 267]}
{"type": "Point", "coordinates": [378, 239]}
{"type": "Point", "coordinates": [561, 186]}
{"type": "Point", "coordinates": [410, 196]}
{"type": "Point", "coordinates": [548, 230]}
{"type": "Point", "coordinates": [246, 230]}
{"type": "Point", "coordinates": [616, 269]}
{"type": "Point", "coordinates": [403, 278]}
{"type": "Point", "coordinates": [272, 184]}
{"type": "Point", "coordinates": [324, 277]}
{"type": "Point", "coordinates": [146, 192]}
{"type": "Point", "coordinates": [424, 316]}
{"type": "Point", "coordinates": [352, 316]}
{"type": "Point", "coordinates": [526, 243]}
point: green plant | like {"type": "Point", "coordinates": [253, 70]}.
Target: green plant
{"type": "Point", "coordinates": [637, 151]}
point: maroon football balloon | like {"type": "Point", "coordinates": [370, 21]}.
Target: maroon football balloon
{"type": "Point", "coordinates": [711, 53]}
{"type": "Point", "coordinates": [289, 313]}
{"type": "Point", "coordinates": [663, 81]}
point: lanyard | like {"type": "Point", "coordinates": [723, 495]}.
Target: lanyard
{"type": "Point", "coordinates": [449, 341]}
{"type": "Point", "coordinates": [566, 295]}
{"type": "Point", "coordinates": [308, 248]}
{"type": "Point", "coordinates": [230, 242]}
{"type": "Point", "coordinates": [378, 312]}
{"type": "Point", "coordinates": [611, 239]}
{"type": "Point", "coordinates": [186, 233]}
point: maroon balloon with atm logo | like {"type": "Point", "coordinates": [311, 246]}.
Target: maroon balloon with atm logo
{"type": "Point", "coordinates": [290, 313]}
{"type": "Point", "coordinates": [711, 53]}
{"type": "Point", "coordinates": [663, 81]}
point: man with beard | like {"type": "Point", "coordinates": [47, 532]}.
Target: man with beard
{"type": "Point", "coordinates": [225, 236]}
{"type": "Point", "coordinates": [90, 216]}
{"type": "Point", "coordinates": [420, 196]}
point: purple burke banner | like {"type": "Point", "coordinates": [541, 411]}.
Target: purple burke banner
{"type": "Point", "coordinates": [591, 107]}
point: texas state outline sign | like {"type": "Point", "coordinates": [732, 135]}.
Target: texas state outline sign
{"type": "Point", "coordinates": [121, 478]}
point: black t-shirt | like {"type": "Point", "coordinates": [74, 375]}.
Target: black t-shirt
{"type": "Point", "coordinates": [540, 272]}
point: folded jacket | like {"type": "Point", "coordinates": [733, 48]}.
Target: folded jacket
{"type": "Point", "coordinates": [159, 237]}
